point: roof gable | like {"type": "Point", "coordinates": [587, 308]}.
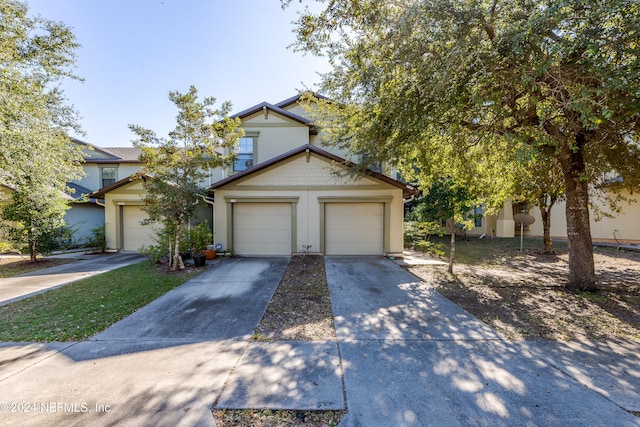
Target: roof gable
{"type": "Point", "coordinates": [330, 176]}
{"type": "Point", "coordinates": [125, 181]}
{"type": "Point", "coordinates": [267, 108]}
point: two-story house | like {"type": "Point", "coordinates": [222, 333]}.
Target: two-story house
{"type": "Point", "coordinates": [286, 193]}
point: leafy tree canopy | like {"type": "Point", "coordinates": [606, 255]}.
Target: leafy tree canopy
{"type": "Point", "coordinates": [477, 79]}
{"type": "Point", "coordinates": [35, 55]}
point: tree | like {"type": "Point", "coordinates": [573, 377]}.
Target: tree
{"type": "Point", "coordinates": [539, 183]}
{"type": "Point", "coordinates": [413, 77]}
{"type": "Point", "coordinates": [35, 220]}
{"type": "Point", "coordinates": [179, 165]}
{"type": "Point", "coordinates": [36, 55]}
{"type": "Point", "coordinates": [446, 199]}
{"type": "Point", "coordinates": [37, 158]}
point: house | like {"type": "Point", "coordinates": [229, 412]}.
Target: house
{"type": "Point", "coordinates": [286, 193]}
{"type": "Point", "coordinates": [618, 228]}
{"type": "Point", "coordinates": [305, 200]}
{"type": "Point", "coordinates": [102, 167]}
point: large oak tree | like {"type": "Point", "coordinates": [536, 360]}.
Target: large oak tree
{"type": "Point", "coordinates": [416, 77]}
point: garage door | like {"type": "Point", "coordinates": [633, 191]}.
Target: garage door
{"type": "Point", "coordinates": [134, 234]}
{"type": "Point", "coordinates": [354, 228]}
{"type": "Point", "coordinates": [262, 228]}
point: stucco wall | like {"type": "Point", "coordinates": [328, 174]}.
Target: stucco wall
{"type": "Point", "coordinates": [626, 223]}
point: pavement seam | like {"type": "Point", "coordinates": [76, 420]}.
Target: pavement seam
{"type": "Point", "coordinates": [55, 352]}
{"type": "Point", "coordinates": [231, 371]}
{"type": "Point", "coordinates": [344, 387]}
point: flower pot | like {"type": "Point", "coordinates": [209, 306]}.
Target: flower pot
{"type": "Point", "coordinates": [210, 253]}
{"type": "Point", "coordinates": [199, 260]}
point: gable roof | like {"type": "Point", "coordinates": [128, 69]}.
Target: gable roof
{"type": "Point", "coordinates": [407, 190]}
{"type": "Point", "coordinates": [124, 153]}
{"type": "Point", "coordinates": [94, 154]}
{"type": "Point", "coordinates": [99, 194]}
{"type": "Point", "coordinates": [265, 106]}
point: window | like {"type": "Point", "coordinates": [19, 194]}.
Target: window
{"type": "Point", "coordinates": [244, 159]}
{"type": "Point", "coordinates": [109, 175]}
{"type": "Point", "coordinates": [477, 216]}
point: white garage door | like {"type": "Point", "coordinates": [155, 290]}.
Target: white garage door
{"type": "Point", "coordinates": [134, 234]}
{"type": "Point", "coordinates": [262, 228]}
{"type": "Point", "coordinates": [354, 228]}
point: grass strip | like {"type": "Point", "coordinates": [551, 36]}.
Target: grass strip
{"type": "Point", "coordinates": [277, 418]}
{"type": "Point", "coordinates": [79, 310]}
{"type": "Point", "coordinates": [10, 267]}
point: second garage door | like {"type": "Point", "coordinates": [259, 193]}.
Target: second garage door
{"type": "Point", "coordinates": [354, 228]}
{"type": "Point", "coordinates": [262, 228]}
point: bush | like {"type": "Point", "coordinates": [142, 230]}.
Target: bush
{"type": "Point", "coordinates": [99, 240]}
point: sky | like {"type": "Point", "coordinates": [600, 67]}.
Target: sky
{"type": "Point", "coordinates": [134, 52]}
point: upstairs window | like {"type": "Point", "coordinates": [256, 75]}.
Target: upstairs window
{"type": "Point", "coordinates": [244, 159]}
{"type": "Point", "coordinates": [108, 175]}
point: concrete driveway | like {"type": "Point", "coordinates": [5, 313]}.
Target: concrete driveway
{"type": "Point", "coordinates": [413, 358]}
{"type": "Point", "coordinates": [163, 366]}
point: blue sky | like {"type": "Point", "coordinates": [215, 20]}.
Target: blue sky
{"type": "Point", "coordinates": [135, 51]}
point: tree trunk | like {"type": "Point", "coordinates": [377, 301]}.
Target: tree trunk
{"type": "Point", "coordinates": [33, 253]}
{"type": "Point", "coordinates": [175, 261]}
{"type": "Point", "coordinates": [545, 212]}
{"type": "Point", "coordinates": [581, 266]}
{"type": "Point", "coordinates": [452, 251]}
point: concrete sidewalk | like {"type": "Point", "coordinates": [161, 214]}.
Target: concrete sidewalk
{"type": "Point", "coordinates": [26, 285]}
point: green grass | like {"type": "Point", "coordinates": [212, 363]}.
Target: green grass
{"type": "Point", "coordinates": [79, 310]}
{"type": "Point", "coordinates": [10, 267]}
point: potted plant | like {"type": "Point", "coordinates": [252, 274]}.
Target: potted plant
{"type": "Point", "coordinates": [200, 237]}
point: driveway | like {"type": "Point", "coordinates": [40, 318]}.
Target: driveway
{"type": "Point", "coordinates": [163, 365]}
{"type": "Point", "coordinates": [413, 358]}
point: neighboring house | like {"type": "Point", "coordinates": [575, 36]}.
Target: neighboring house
{"type": "Point", "coordinates": [102, 167]}
{"type": "Point", "coordinates": [285, 194]}
{"type": "Point", "coordinates": [621, 228]}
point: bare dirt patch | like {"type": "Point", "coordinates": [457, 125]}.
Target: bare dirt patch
{"type": "Point", "coordinates": [522, 295]}
{"type": "Point", "coordinates": [299, 310]}
{"type": "Point", "coordinates": [301, 307]}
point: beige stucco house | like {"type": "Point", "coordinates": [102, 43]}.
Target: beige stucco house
{"type": "Point", "coordinates": [289, 192]}
{"type": "Point", "coordinates": [305, 200]}
{"type": "Point", "coordinates": [284, 195]}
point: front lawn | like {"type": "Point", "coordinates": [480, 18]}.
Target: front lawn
{"type": "Point", "coordinates": [79, 310]}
